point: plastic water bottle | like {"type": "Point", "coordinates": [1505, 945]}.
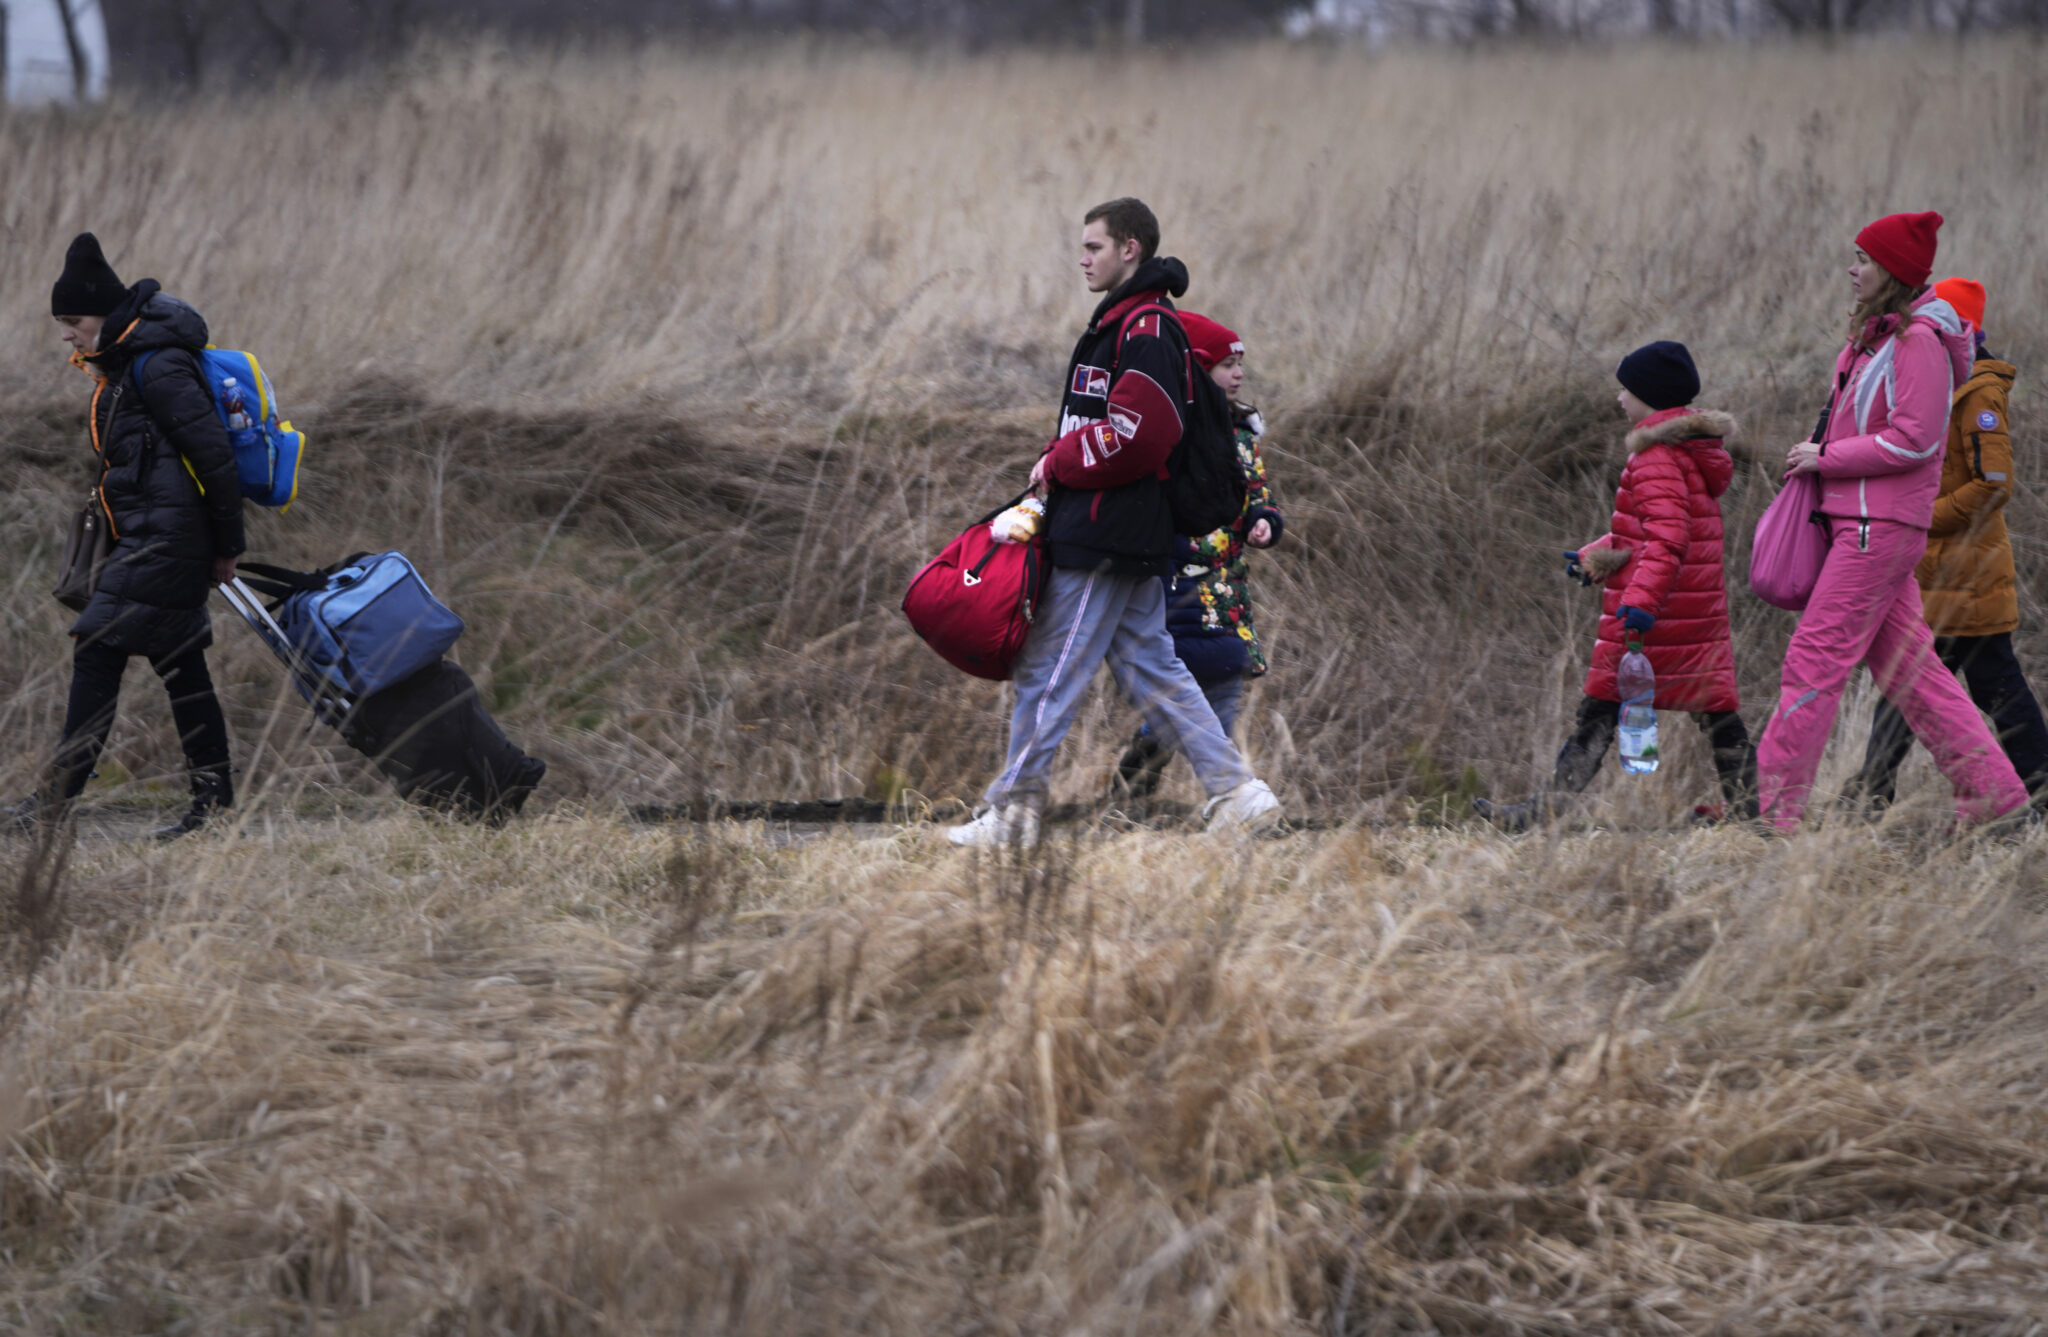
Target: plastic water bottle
{"type": "Point", "coordinates": [1638, 684]}
{"type": "Point", "coordinates": [238, 408]}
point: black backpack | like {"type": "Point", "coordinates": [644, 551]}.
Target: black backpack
{"type": "Point", "coordinates": [1205, 484]}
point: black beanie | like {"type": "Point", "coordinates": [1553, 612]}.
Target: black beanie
{"type": "Point", "coordinates": [1660, 374]}
{"type": "Point", "coordinates": [89, 286]}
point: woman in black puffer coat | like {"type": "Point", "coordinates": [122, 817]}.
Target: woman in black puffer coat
{"type": "Point", "coordinates": [167, 483]}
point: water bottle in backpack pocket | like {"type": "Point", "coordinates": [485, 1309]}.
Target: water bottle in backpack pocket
{"type": "Point", "coordinates": [1637, 682]}
{"type": "Point", "coordinates": [267, 451]}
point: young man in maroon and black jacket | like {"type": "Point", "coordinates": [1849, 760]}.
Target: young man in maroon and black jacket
{"type": "Point", "coordinates": [1109, 533]}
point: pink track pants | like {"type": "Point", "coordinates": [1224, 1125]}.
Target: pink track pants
{"type": "Point", "coordinates": [1866, 610]}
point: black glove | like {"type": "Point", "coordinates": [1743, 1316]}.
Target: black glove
{"type": "Point", "coordinates": [1574, 570]}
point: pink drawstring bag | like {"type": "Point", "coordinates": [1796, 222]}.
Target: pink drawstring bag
{"type": "Point", "coordinates": [1790, 545]}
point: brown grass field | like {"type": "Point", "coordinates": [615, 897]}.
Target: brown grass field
{"type": "Point", "coordinates": [669, 369]}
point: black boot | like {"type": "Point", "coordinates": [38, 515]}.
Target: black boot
{"type": "Point", "coordinates": [23, 817]}
{"type": "Point", "coordinates": [1737, 770]}
{"type": "Point", "coordinates": [49, 806]}
{"type": "Point", "coordinates": [212, 792]}
{"type": "Point", "coordinates": [1139, 768]}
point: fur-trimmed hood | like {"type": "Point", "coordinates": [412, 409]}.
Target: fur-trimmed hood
{"type": "Point", "coordinates": [1681, 428]}
{"type": "Point", "coordinates": [1700, 433]}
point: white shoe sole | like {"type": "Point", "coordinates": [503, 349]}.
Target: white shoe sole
{"type": "Point", "coordinates": [1262, 818]}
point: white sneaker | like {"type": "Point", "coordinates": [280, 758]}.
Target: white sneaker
{"type": "Point", "coordinates": [1016, 825]}
{"type": "Point", "coordinates": [1249, 809]}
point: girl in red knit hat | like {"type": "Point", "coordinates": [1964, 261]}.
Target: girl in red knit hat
{"type": "Point", "coordinates": [1208, 602]}
{"type": "Point", "coordinates": [1878, 452]}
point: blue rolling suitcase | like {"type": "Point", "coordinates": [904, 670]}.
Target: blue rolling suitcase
{"type": "Point", "coordinates": [367, 653]}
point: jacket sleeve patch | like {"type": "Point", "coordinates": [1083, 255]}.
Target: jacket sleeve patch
{"type": "Point", "coordinates": [1097, 443]}
{"type": "Point", "coordinates": [1091, 382]}
{"type": "Point", "coordinates": [1143, 325]}
{"type": "Point", "coordinates": [1125, 421]}
{"type": "Point", "coordinates": [1988, 420]}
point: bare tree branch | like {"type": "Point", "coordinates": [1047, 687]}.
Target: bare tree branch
{"type": "Point", "coordinates": [74, 45]}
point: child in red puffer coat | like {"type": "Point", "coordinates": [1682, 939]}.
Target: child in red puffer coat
{"type": "Point", "coordinates": [1663, 584]}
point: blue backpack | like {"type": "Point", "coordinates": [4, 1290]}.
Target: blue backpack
{"type": "Point", "coordinates": [363, 624]}
{"type": "Point", "coordinates": [266, 451]}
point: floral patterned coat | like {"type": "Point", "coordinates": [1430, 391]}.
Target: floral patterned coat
{"type": "Point", "coordinates": [1208, 598]}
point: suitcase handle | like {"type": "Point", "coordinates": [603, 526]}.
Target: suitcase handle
{"type": "Point", "coordinates": [280, 579]}
{"type": "Point", "coordinates": [330, 705]}
{"type": "Point", "coordinates": [280, 582]}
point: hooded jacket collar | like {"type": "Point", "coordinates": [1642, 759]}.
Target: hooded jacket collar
{"type": "Point", "coordinates": [148, 319]}
{"type": "Point", "coordinates": [1162, 273]}
{"type": "Point", "coordinates": [1941, 320]}
{"type": "Point", "coordinates": [1988, 368]}
{"type": "Point", "coordinates": [1680, 427]}
{"type": "Point", "coordinates": [1701, 433]}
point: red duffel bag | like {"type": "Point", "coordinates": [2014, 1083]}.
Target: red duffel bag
{"type": "Point", "coordinates": [974, 602]}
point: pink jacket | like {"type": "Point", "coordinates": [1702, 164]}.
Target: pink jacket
{"type": "Point", "coordinates": [1889, 425]}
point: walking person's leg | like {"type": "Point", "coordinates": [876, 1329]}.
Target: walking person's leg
{"type": "Point", "coordinates": [1160, 686]}
{"type": "Point", "coordinates": [1142, 763]}
{"type": "Point", "coordinates": [1734, 760]}
{"type": "Point", "coordinates": [1146, 756]}
{"type": "Point", "coordinates": [1937, 709]}
{"type": "Point", "coordinates": [1858, 586]}
{"type": "Point", "coordinates": [1075, 620]}
{"type": "Point", "coordinates": [1226, 699]}
{"type": "Point", "coordinates": [202, 734]}
{"type": "Point", "coordinates": [1578, 761]}
{"type": "Point", "coordinates": [96, 671]}
{"type": "Point", "coordinates": [1999, 687]}
{"type": "Point", "coordinates": [1890, 741]}
{"type": "Point", "coordinates": [1890, 737]}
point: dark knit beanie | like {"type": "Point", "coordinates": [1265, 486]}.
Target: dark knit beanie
{"type": "Point", "coordinates": [1660, 374]}
{"type": "Point", "coordinates": [89, 286]}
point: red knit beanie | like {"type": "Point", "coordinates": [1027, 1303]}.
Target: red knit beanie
{"type": "Point", "coordinates": [1903, 244]}
{"type": "Point", "coordinates": [1211, 342]}
{"type": "Point", "coordinates": [1966, 296]}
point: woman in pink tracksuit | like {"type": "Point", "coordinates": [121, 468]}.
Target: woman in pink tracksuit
{"type": "Point", "coordinates": [1879, 455]}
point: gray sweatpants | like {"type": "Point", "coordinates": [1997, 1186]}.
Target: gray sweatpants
{"type": "Point", "coordinates": [1086, 619]}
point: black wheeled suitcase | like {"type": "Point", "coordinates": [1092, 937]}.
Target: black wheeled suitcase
{"type": "Point", "coordinates": [429, 733]}
{"type": "Point", "coordinates": [435, 742]}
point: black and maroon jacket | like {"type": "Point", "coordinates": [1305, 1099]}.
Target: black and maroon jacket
{"type": "Point", "coordinates": [1119, 420]}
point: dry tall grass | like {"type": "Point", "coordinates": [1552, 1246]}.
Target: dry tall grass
{"type": "Point", "coordinates": [381, 1078]}
{"type": "Point", "coordinates": [671, 369]}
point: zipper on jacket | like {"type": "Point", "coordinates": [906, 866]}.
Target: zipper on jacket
{"type": "Point", "coordinates": [1827, 414]}
{"type": "Point", "coordinates": [93, 420]}
{"type": "Point", "coordinates": [1977, 453]}
{"type": "Point", "coordinates": [1863, 536]}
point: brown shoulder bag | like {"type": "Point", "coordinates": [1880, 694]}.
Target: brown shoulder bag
{"type": "Point", "coordinates": [86, 548]}
{"type": "Point", "coordinates": [87, 544]}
